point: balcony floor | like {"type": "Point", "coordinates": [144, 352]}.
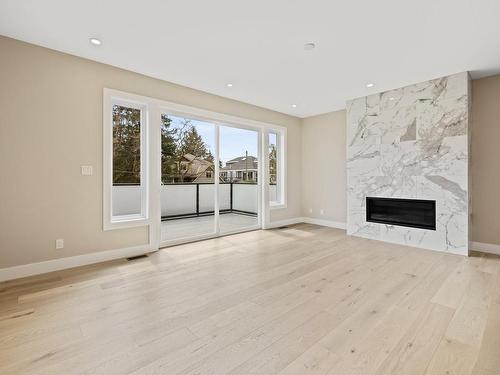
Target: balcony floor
{"type": "Point", "coordinates": [197, 226]}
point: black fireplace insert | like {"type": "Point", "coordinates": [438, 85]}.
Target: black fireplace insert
{"type": "Point", "coordinates": [415, 213]}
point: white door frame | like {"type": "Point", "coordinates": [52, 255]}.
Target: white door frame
{"type": "Point", "coordinates": [217, 232]}
{"type": "Point", "coordinates": [218, 120]}
{"type": "Point", "coordinates": [155, 107]}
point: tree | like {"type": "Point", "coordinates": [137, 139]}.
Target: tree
{"type": "Point", "coordinates": [126, 145]}
{"type": "Point", "coordinates": [193, 144]}
{"type": "Point", "coordinates": [168, 150]}
{"type": "Point", "coordinates": [176, 143]}
{"type": "Point", "coordinates": [272, 164]}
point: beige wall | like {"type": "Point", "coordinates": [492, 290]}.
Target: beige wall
{"type": "Point", "coordinates": [323, 166]}
{"type": "Point", "coordinates": [51, 124]}
{"type": "Point", "coordinates": [486, 160]}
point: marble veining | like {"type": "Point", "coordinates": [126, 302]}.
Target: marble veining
{"type": "Point", "coordinates": [412, 142]}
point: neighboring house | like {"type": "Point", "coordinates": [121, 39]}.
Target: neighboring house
{"type": "Point", "coordinates": [242, 168]}
{"type": "Point", "coordinates": [196, 169]}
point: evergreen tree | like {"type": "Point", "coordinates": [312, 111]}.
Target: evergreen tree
{"type": "Point", "coordinates": [193, 144]}
{"type": "Point", "coordinates": [168, 151]}
{"type": "Point", "coordinates": [126, 145]}
{"type": "Point", "coordinates": [176, 143]}
{"type": "Point", "coordinates": [272, 164]}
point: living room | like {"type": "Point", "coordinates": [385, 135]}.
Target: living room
{"type": "Point", "coordinates": [249, 188]}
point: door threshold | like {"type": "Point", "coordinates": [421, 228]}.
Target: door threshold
{"type": "Point", "coordinates": [187, 240]}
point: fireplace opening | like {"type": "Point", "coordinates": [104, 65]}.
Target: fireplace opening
{"type": "Point", "coordinates": [415, 213]}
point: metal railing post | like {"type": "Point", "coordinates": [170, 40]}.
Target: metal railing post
{"type": "Point", "coordinates": [231, 197]}
{"type": "Point", "coordinates": [197, 199]}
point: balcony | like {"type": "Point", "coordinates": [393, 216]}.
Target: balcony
{"type": "Point", "coordinates": [187, 209]}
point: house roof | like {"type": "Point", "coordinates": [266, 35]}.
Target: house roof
{"type": "Point", "coordinates": [196, 165]}
{"type": "Point", "coordinates": [191, 157]}
{"type": "Point", "coordinates": [241, 163]}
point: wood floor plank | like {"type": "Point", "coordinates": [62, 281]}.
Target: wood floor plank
{"type": "Point", "coordinates": [280, 353]}
{"type": "Point", "coordinates": [360, 312]}
{"type": "Point", "coordinates": [135, 357]}
{"type": "Point", "coordinates": [459, 349]}
{"type": "Point", "coordinates": [452, 290]}
{"type": "Point", "coordinates": [415, 350]}
{"type": "Point", "coordinates": [488, 361]}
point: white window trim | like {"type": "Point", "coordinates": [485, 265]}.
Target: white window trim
{"type": "Point", "coordinates": [150, 153]}
{"type": "Point", "coordinates": [124, 221]}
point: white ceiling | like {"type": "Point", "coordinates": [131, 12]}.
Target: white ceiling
{"type": "Point", "coordinates": [258, 44]}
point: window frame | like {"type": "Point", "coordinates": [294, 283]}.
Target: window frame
{"type": "Point", "coordinates": [281, 165]}
{"type": "Point", "coordinates": [111, 221]}
{"type": "Point", "coordinates": [151, 110]}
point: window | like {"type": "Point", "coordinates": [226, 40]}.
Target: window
{"type": "Point", "coordinates": [276, 169]}
{"type": "Point", "coordinates": [137, 158]}
{"type": "Point", "coordinates": [125, 165]}
{"type": "Point", "coordinates": [126, 146]}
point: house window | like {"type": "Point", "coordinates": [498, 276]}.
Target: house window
{"type": "Point", "coordinates": [208, 174]}
{"type": "Point", "coordinates": [276, 169]}
{"type": "Point", "coordinates": [124, 163]}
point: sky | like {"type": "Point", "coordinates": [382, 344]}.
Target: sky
{"type": "Point", "coordinates": [233, 141]}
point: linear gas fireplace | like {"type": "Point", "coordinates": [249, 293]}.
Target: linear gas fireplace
{"type": "Point", "coordinates": [415, 213]}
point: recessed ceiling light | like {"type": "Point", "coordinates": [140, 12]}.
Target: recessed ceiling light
{"type": "Point", "coordinates": [229, 85]}
{"type": "Point", "coordinates": [294, 105]}
{"type": "Point", "coordinates": [370, 85]}
{"type": "Point", "coordinates": [309, 46]}
{"type": "Point", "coordinates": [95, 41]}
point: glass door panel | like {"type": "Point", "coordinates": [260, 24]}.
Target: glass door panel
{"type": "Point", "coordinates": [187, 178]}
{"type": "Point", "coordinates": [238, 179]}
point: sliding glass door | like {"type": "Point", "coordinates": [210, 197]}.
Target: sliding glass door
{"type": "Point", "coordinates": [209, 179]}
{"type": "Point", "coordinates": [187, 192]}
{"type": "Point", "coordinates": [238, 179]}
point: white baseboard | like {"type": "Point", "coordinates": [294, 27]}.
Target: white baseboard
{"type": "Point", "coordinates": [282, 223]}
{"type": "Point", "coordinates": [31, 269]}
{"type": "Point", "coordinates": [325, 223]}
{"type": "Point", "coordinates": [308, 220]}
{"type": "Point", "coordinates": [485, 247]}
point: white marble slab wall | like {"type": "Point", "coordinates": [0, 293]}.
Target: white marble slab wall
{"type": "Point", "coordinates": [412, 142]}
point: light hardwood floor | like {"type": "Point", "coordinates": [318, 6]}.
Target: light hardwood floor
{"type": "Point", "coordinates": [302, 300]}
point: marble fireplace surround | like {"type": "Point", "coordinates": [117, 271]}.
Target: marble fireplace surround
{"type": "Point", "coordinates": [412, 142]}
